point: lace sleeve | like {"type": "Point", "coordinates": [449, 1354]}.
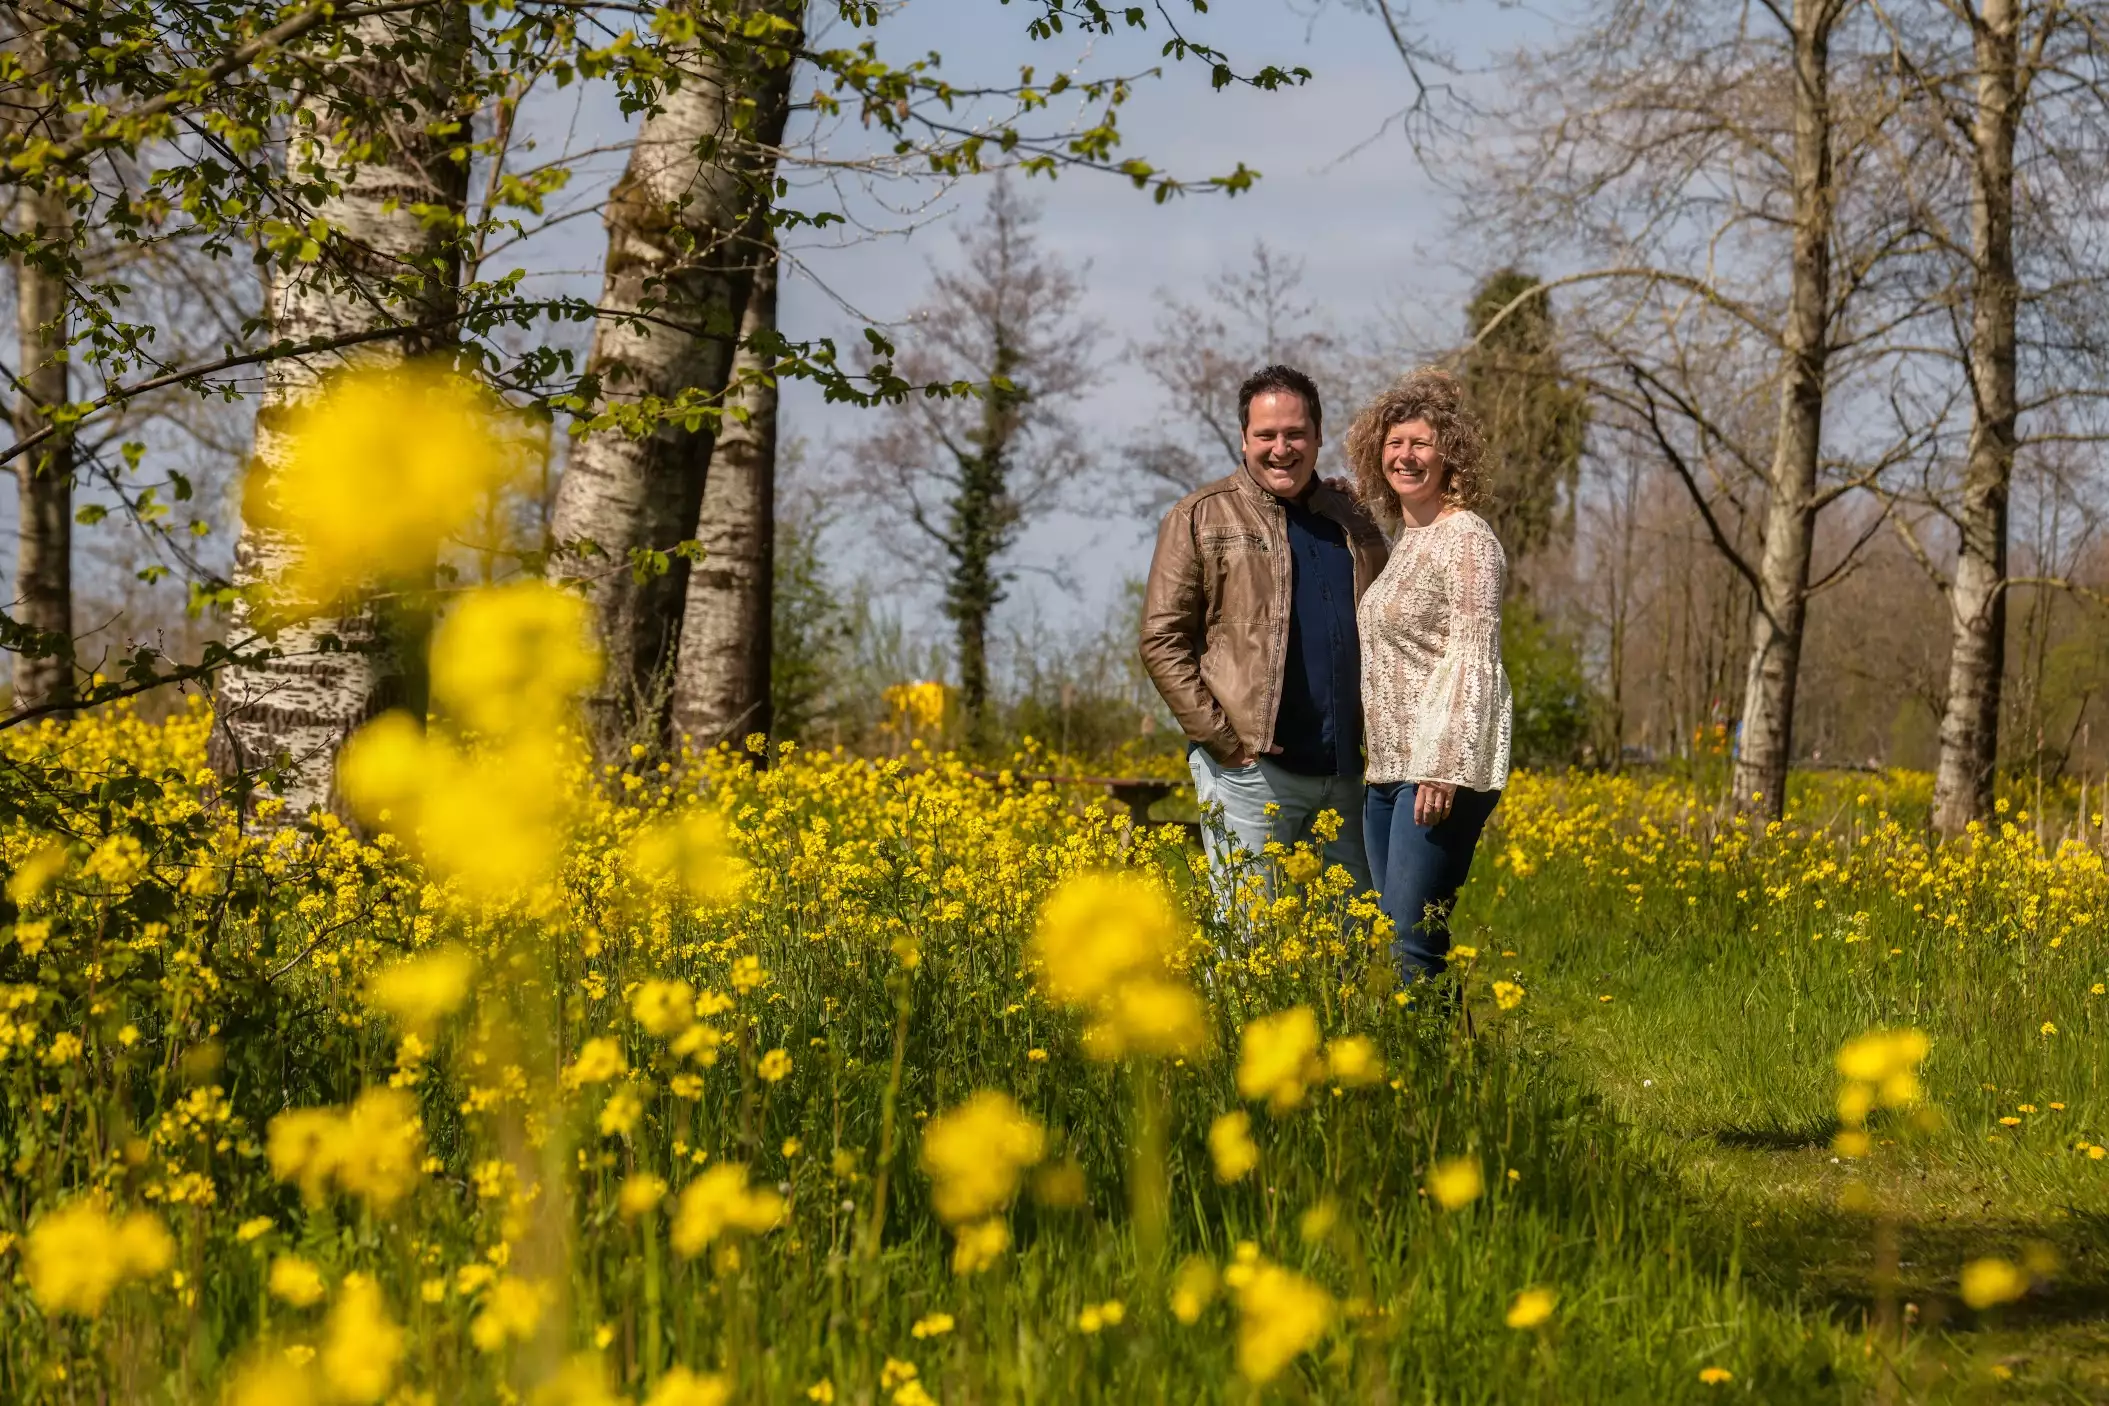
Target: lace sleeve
{"type": "Point", "coordinates": [1462, 733]}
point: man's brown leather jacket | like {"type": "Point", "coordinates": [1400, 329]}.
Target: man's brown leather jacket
{"type": "Point", "coordinates": [1215, 614]}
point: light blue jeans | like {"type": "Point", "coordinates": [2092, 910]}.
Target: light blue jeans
{"type": "Point", "coordinates": [1244, 793]}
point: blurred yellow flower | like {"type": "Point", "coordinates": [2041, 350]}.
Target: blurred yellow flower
{"type": "Point", "coordinates": [77, 1255]}
{"type": "Point", "coordinates": [681, 1387]}
{"type": "Point", "coordinates": [1280, 1315]}
{"type": "Point", "coordinates": [1230, 1144]}
{"type": "Point", "coordinates": [933, 1325]}
{"type": "Point", "coordinates": [1147, 1016]}
{"type": "Point", "coordinates": [272, 1380]}
{"type": "Point", "coordinates": [640, 1194]}
{"type": "Point", "coordinates": [421, 990]}
{"type": "Point", "coordinates": [976, 1154]}
{"type": "Point", "coordinates": [664, 1007]}
{"type": "Point", "coordinates": [1098, 930]}
{"type": "Point", "coordinates": [775, 1066]}
{"type": "Point", "coordinates": [34, 874]}
{"type": "Point", "coordinates": [1989, 1282]}
{"type": "Point", "coordinates": [1193, 1289]}
{"type": "Point", "coordinates": [976, 1246]}
{"type": "Point", "coordinates": [1456, 1182]}
{"type": "Point", "coordinates": [1279, 1058]}
{"type": "Point", "coordinates": [372, 1149]}
{"type": "Point", "coordinates": [600, 1059]}
{"type": "Point", "coordinates": [619, 1115]}
{"type": "Point", "coordinates": [296, 1281]}
{"type": "Point", "coordinates": [921, 702]}
{"type": "Point", "coordinates": [719, 1201]}
{"type": "Point", "coordinates": [1530, 1308]}
{"type": "Point", "coordinates": [361, 1345]}
{"type": "Point", "coordinates": [693, 853]}
{"type": "Point", "coordinates": [1507, 995]}
{"type": "Point", "coordinates": [1716, 1376]}
{"type": "Point", "coordinates": [513, 658]}
{"type": "Point", "coordinates": [380, 469]}
{"type": "Point", "coordinates": [510, 1311]}
{"type": "Point", "coordinates": [1353, 1061]}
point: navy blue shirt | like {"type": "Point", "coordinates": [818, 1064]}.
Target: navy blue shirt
{"type": "Point", "coordinates": [1319, 726]}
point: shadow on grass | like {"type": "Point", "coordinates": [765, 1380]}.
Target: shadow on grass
{"type": "Point", "coordinates": [1773, 1139]}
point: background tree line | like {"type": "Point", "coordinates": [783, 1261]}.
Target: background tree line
{"type": "Point", "coordinates": [1788, 330]}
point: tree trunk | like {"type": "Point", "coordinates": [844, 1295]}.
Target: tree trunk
{"type": "Point", "coordinates": [44, 477]}
{"type": "Point", "coordinates": [382, 266]}
{"type": "Point", "coordinates": [679, 252]}
{"type": "Point", "coordinates": [1969, 735]}
{"type": "Point", "coordinates": [721, 677]}
{"type": "Point", "coordinates": [1767, 738]}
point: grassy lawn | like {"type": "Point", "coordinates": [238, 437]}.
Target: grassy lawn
{"type": "Point", "coordinates": [1699, 983]}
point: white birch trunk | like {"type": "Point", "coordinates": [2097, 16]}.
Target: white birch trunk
{"type": "Point", "coordinates": [721, 676]}
{"type": "Point", "coordinates": [43, 586]}
{"type": "Point", "coordinates": [1766, 741]}
{"type": "Point", "coordinates": [679, 251]}
{"type": "Point", "coordinates": [382, 267]}
{"type": "Point", "coordinates": [1969, 736]}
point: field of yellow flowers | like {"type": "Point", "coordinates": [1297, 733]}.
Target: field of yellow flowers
{"type": "Point", "coordinates": [785, 1075]}
{"type": "Point", "coordinates": [881, 1081]}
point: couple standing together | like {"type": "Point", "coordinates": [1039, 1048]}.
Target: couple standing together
{"type": "Point", "coordinates": [1314, 667]}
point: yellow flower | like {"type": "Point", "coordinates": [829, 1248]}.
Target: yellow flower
{"type": "Point", "coordinates": [600, 1059]}
{"type": "Point", "coordinates": [1147, 1017]}
{"type": "Point", "coordinates": [1230, 1144]}
{"type": "Point", "coordinates": [1193, 1289]}
{"type": "Point", "coordinates": [934, 1325]}
{"type": "Point", "coordinates": [822, 1391]}
{"type": "Point", "coordinates": [1989, 1282]}
{"type": "Point", "coordinates": [681, 1387]}
{"type": "Point", "coordinates": [1279, 1058]}
{"type": "Point", "coordinates": [921, 702]}
{"type": "Point", "coordinates": [423, 989]}
{"type": "Point", "coordinates": [35, 873]}
{"type": "Point", "coordinates": [1507, 995]}
{"type": "Point", "coordinates": [380, 469]}
{"type": "Point", "coordinates": [975, 1247]}
{"type": "Point", "coordinates": [775, 1066]}
{"type": "Point", "coordinates": [253, 1228]}
{"type": "Point", "coordinates": [361, 1346]}
{"type": "Point", "coordinates": [2049, 1028]}
{"type": "Point", "coordinates": [1716, 1376]}
{"type": "Point", "coordinates": [895, 1372]}
{"type": "Point", "coordinates": [719, 1201]}
{"type": "Point", "coordinates": [694, 854]}
{"type": "Point", "coordinates": [619, 1115]}
{"type": "Point", "coordinates": [639, 1195]}
{"type": "Point", "coordinates": [372, 1150]}
{"type": "Point", "coordinates": [1456, 1183]}
{"type": "Point", "coordinates": [664, 1007]}
{"type": "Point", "coordinates": [1874, 1057]}
{"type": "Point", "coordinates": [272, 1380]}
{"type": "Point", "coordinates": [976, 1154]}
{"type": "Point", "coordinates": [1099, 930]}
{"type": "Point", "coordinates": [511, 658]}
{"type": "Point", "coordinates": [77, 1255]}
{"type": "Point", "coordinates": [510, 1312]}
{"type": "Point", "coordinates": [1531, 1308]}
{"type": "Point", "coordinates": [297, 1282]}
{"type": "Point", "coordinates": [1280, 1315]}
{"type": "Point", "coordinates": [1353, 1061]}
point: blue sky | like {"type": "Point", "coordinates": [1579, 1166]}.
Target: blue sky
{"type": "Point", "coordinates": [1339, 190]}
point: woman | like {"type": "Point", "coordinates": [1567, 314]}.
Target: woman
{"type": "Point", "coordinates": [1435, 699]}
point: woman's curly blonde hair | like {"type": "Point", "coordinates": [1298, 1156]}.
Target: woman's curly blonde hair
{"type": "Point", "coordinates": [1430, 394]}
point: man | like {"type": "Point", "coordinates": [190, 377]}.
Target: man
{"type": "Point", "coordinates": [1248, 630]}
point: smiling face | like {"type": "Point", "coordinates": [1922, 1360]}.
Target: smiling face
{"type": "Point", "coordinates": [1413, 466]}
{"type": "Point", "coordinates": [1281, 443]}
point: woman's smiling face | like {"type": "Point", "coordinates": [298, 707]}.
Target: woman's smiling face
{"type": "Point", "coordinates": [1413, 466]}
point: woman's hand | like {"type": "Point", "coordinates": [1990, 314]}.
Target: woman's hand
{"type": "Point", "coordinates": [1432, 801]}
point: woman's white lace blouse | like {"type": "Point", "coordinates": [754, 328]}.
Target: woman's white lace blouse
{"type": "Point", "coordinates": [1435, 699]}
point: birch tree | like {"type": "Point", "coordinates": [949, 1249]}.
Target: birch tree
{"type": "Point", "coordinates": [43, 605]}
{"type": "Point", "coordinates": [680, 263]}
{"type": "Point", "coordinates": [394, 176]}
{"type": "Point", "coordinates": [721, 678]}
{"type": "Point", "coordinates": [2012, 88]}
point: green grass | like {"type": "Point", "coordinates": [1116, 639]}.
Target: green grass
{"type": "Point", "coordinates": [1730, 989]}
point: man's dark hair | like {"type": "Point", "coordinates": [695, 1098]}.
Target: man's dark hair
{"type": "Point", "coordinates": [1280, 378]}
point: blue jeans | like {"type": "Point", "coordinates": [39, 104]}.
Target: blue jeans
{"type": "Point", "coordinates": [1245, 792]}
{"type": "Point", "coordinates": [1420, 868]}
